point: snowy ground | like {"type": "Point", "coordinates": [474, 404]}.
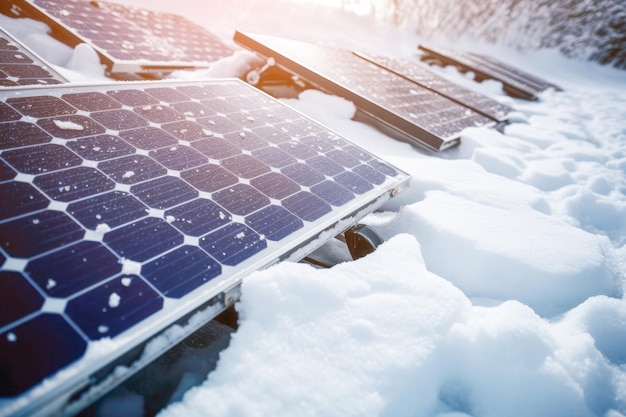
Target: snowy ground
{"type": "Point", "coordinates": [499, 289]}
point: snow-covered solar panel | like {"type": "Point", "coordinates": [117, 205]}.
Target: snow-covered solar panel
{"type": "Point", "coordinates": [126, 207]}
{"type": "Point", "coordinates": [515, 82]}
{"type": "Point", "coordinates": [422, 76]}
{"type": "Point", "coordinates": [414, 113]}
{"type": "Point", "coordinates": [129, 39]}
{"type": "Point", "coordinates": [21, 66]}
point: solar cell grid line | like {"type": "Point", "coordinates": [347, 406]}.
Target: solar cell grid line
{"type": "Point", "coordinates": [414, 113]}
{"type": "Point", "coordinates": [19, 66]}
{"type": "Point", "coordinates": [510, 84]}
{"type": "Point", "coordinates": [129, 39]}
{"type": "Point", "coordinates": [113, 232]}
{"type": "Point", "coordinates": [422, 76]}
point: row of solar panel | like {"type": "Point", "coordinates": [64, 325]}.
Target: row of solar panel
{"type": "Point", "coordinates": [414, 103]}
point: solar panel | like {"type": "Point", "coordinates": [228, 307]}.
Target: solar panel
{"type": "Point", "coordinates": [126, 207]}
{"type": "Point", "coordinates": [515, 72]}
{"type": "Point", "coordinates": [403, 108]}
{"type": "Point", "coordinates": [515, 82]}
{"type": "Point", "coordinates": [21, 66]}
{"type": "Point", "coordinates": [419, 75]}
{"type": "Point", "coordinates": [129, 39]}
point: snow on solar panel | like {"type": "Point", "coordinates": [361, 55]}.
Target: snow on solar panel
{"type": "Point", "coordinates": [129, 39]}
{"type": "Point", "coordinates": [125, 207]}
{"type": "Point", "coordinates": [21, 66]}
{"type": "Point", "coordinates": [419, 115]}
{"type": "Point", "coordinates": [476, 101]}
{"type": "Point", "coordinates": [514, 81]}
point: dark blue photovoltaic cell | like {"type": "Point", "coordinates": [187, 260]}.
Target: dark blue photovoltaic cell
{"type": "Point", "coordinates": [297, 149]}
{"type": "Point", "coordinates": [370, 174]}
{"type": "Point", "coordinates": [8, 114]}
{"type": "Point", "coordinates": [10, 56]}
{"type": "Point", "coordinates": [192, 109]}
{"type": "Point", "coordinates": [325, 165]}
{"type": "Point", "coordinates": [198, 217]}
{"type": "Point", "coordinates": [13, 287]}
{"type": "Point", "coordinates": [245, 166]}
{"type": "Point", "coordinates": [209, 178]}
{"type": "Point", "coordinates": [291, 129]}
{"type": "Point", "coordinates": [306, 206]}
{"type": "Point", "coordinates": [332, 193]}
{"type": "Point", "coordinates": [307, 126]}
{"type": "Point", "coordinates": [43, 158]}
{"type": "Point", "coordinates": [216, 148]}
{"type": "Point", "coordinates": [132, 169]}
{"type": "Point", "coordinates": [187, 130]}
{"type": "Point", "coordinates": [219, 105]}
{"type": "Point", "coordinates": [20, 133]}
{"type": "Point", "coordinates": [42, 106]}
{"type": "Point", "coordinates": [113, 209]}
{"type": "Point", "coordinates": [31, 235]}
{"type": "Point", "coordinates": [241, 199]}
{"type": "Point", "coordinates": [343, 158]}
{"type": "Point", "coordinates": [303, 174]}
{"type": "Point", "coordinates": [26, 357]}
{"type": "Point", "coordinates": [272, 134]}
{"type": "Point", "coordinates": [178, 273]}
{"type": "Point", "coordinates": [179, 157]}
{"type": "Point", "coordinates": [92, 101]}
{"type": "Point", "coordinates": [100, 148]}
{"type": "Point", "coordinates": [72, 184]}
{"type": "Point", "coordinates": [143, 239]}
{"type": "Point", "coordinates": [159, 113]}
{"type": "Point", "coordinates": [267, 117]}
{"type": "Point", "coordinates": [196, 92]}
{"type": "Point", "coordinates": [274, 222]}
{"type": "Point", "coordinates": [284, 112]}
{"type": "Point", "coordinates": [233, 244]}
{"type": "Point", "coordinates": [6, 172]}
{"type": "Point", "coordinates": [353, 182]}
{"type": "Point", "coordinates": [119, 119]}
{"type": "Point", "coordinates": [219, 124]}
{"type": "Point", "coordinates": [274, 157]}
{"type": "Point", "coordinates": [70, 127]}
{"type": "Point", "coordinates": [73, 268]}
{"type": "Point", "coordinates": [166, 94]}
{"type": "Point", "coordinates": [357, 153]}
{"type": "Point", "coordinates": [113, 307]}
{"type": "Point", "coordinates": [275, 185]}
{"type": "Point", "coordinates": [165, 192]}
{"type": "Point", "coordinates": [245, 120]}
{"type": "Point", "coordinates": [320, 144]}
{"type": "Point", "coordinates": [148, 138]}
{"type": "Point", "coordinates": [384, 168]}
{"type": "Point", "coordinates": [246, 140]}
{"type": "Point", "coordinates": [132, 97]}
{"type": "Point", "coordinates": [20, 198]}
{"type": "Point", "coordinates": [244, 103]}
{"type": "Point", "coordinates": [21, 71]}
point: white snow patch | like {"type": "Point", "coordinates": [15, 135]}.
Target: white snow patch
{"type": "Point", "coordinates": [130, 267]}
